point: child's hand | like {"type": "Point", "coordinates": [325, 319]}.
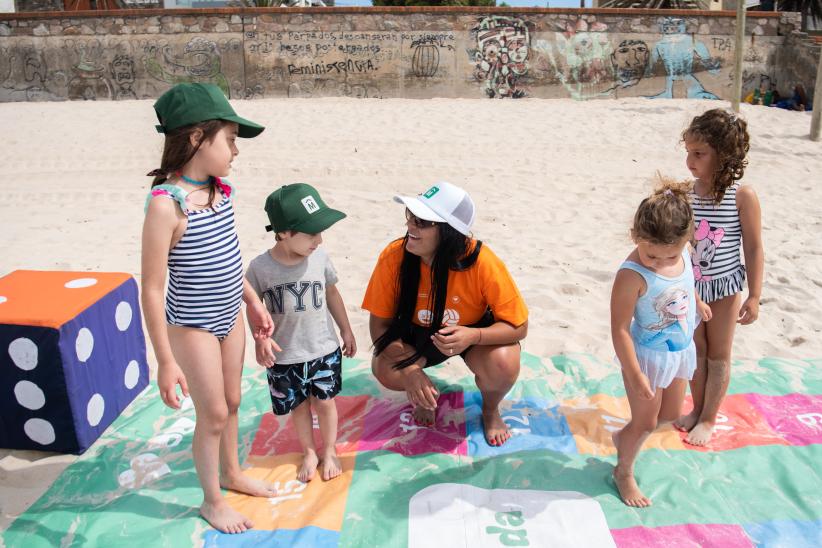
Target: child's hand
{"type": "Point", "coordinates": [349, 343]}
{"type": "Point", "coordinates": [749, 311]}
{"type": "Point", "coordinates": [259, 320]}
{"type": "Point", "coordinates": [641, 385]}
{"type": "Point", "coordinates": [704, 311]}
{"type": "Point", "coordinates": [265, 352]}
{"type": "Point", "coordinates": [169, 375]}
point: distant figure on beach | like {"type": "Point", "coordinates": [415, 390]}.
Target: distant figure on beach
{"type": "Point", "coordinates": [653, 315]}
{"type": "Point", "coordinates": [727, 215]}
{"type": "Point", "coordinates": [437, 293]}
{"type": "Point", "coordinates": [198, 334]}
{"type": "Point", "coordinates": [298, 284]}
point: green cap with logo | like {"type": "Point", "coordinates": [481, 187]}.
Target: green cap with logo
{"type": "Point", "coordinates": [299, 207]}
{"type": "Point", "coordinates": [187, 104]}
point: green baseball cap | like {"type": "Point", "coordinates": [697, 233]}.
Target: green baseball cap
{"type": "Point", "coordinates": [187, 104]}
{"type": "Point", "coordinates": [299, 207]}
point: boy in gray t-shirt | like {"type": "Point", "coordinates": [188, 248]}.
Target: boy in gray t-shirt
{"type": "Point", "coordinates": [297, 282]}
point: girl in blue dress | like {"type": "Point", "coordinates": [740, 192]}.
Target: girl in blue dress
{"type": "Point", "coordinates": [653, 317]}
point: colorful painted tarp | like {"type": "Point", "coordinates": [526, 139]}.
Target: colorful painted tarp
{"type": "Point", "coordinates": [760, 483]}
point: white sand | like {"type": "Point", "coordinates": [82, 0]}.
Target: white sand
{"type": "Point", "coordinates": [556, 183]}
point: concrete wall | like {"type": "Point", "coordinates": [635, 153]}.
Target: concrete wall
{"type": "Point", "coordinates": [381, 52]}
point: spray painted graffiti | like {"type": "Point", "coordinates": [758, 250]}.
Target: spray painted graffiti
{"type": "Point", "coordinates": [425, 62]}
{"type": "Point", "coordinates": [329, 87]}
{"type": "Point", "coordinates": [677, 50]}
{"type": "Point", "coordinates": [122, 74]}
{"type": "Point", "coordinates": [587, 58]}
{"type": "Point", "coordinates": [23, 74]}
{"type": "Point", "coordinates": [630, 61]}
{"type": "Point", "coordinates": [89, 81]}
{"type": "Point", "coordinates": [199, 62]}
{"type": "Point", "coordinates": [503, 45]}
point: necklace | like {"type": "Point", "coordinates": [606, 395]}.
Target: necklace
{"type": "Point", "coordinates": [193, 181]}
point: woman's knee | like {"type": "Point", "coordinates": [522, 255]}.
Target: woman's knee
{"type": "Point", "coordinates": [506, 362]}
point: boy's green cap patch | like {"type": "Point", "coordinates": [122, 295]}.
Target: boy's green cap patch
{"type": "Point", "coordinates": [299, 207]}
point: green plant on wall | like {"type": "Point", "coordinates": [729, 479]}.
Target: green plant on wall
{"type": "Point", "coordinates": [434, 2]}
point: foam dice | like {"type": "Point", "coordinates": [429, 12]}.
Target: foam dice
{"type": "Point", "coordinates": [72, 357]}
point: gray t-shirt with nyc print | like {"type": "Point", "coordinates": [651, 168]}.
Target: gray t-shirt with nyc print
{"type": "Point", "coordinates": [295, 297]}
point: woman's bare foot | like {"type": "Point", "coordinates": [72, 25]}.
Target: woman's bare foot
{"type": "Point", "coordinates": [308, 467]}
{"type": "Point", "coordinates": [424, 417]}
{"type": "Point", "coordinates": [700, 434]}
{"type": "Point", "coordinates": [224, 518]}
{"type": "Point", "coordinates": [496, 431]}
{"type": "Point", "coordinates": [629, 490]}
{"type": "Point", "coordinates": [250, 486]}
{"type": "Point", "coordinates": [330, 466]}
{"type": "Point", "coordinates": [686, 422]}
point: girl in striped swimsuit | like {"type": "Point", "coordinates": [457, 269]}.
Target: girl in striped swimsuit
{"type": "Point", "coordinates": [198, 333]}
{"type": "Point", "coordinates": [727, 217]}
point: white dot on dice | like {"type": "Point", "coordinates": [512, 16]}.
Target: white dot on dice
{"type": "Point", "coordinates": [23, 353]}
{"type": "Point", "coordinates": [80, 283]}
{"type": "Point", "coordinates": [39, 430]}
{"type": "Point", "coordinates": [29, 395]}
{"type": "Point", "coordinates": [94, 410]}
{"type": "Point", "coordinates": [122, 316]}
{"type": "Point", "coordinates": [132, 374]}
{"type": "Point", "coordinates": [84, 344]}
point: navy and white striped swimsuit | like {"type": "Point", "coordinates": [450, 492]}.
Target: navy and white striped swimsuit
{"type": "Point", "coordinates": [205, 287]}
{"type": "Point", "coordinates": [718, 270]}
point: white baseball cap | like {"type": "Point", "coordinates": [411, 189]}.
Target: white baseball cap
{"type": "Point", "coordinates": [443, 203]}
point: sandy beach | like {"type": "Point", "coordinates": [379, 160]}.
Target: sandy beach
{"type": "Point", "coordinates": [556, 183]}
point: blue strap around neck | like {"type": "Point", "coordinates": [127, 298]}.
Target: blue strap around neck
{"type": "Point", "coordinates": [194, 181]}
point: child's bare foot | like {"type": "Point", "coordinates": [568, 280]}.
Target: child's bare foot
{"type": "Point", "coordinates": [686, 422]}
{"type": "Point", "coordinates": [424, 417]}
{"type": "Point", "coordinates": [700, 434]}
{"type": "Point", "coordinates": [224, 518]}
{"type": "Point", "coordinates": [250, 486]}
{"type": "Point", "coordinates": [308, 467]}
{"type": "Point", "coordinates": [330, 466]}
{"type": "Point", "coordinates": [496, 431]}
{"type": "Point", "coordinates": [629, 490]}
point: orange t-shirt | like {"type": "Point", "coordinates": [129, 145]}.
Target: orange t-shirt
{"type": "Point", "coordinates": [470, 292]}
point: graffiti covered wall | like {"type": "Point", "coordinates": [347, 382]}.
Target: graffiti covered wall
{"type": "Point", "coordinates": [379, 53]}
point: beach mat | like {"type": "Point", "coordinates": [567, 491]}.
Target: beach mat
{"type": "Point", "coordinates": [402, 485]}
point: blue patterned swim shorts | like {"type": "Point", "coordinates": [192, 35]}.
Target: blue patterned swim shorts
{"type": "Point", "coordinates": [292, 384]}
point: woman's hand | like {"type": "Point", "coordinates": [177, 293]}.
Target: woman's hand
{"type": "Point", "coordinates": [419, 388]}
{"type": "Point", "coordinates": [169, 375]}
{"type": "Point", "coordinates": [453, 339]}
{"type": "Point", "coordinates": [749, 311]}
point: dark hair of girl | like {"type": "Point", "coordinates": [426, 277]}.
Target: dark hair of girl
{"type": "Point", "coordinates": [727, 134]}
{"type": "Point", "coordinates": [451, 254]}
{"type": "Point", "coordinates": [665, 217]}
{"type": "Point", "coordinates": [178, 151]}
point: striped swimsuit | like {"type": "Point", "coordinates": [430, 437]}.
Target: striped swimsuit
{"type": "Point", "coordinates": [718, 270]}
{"type": "Point", "coordinates": [205, 287]}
